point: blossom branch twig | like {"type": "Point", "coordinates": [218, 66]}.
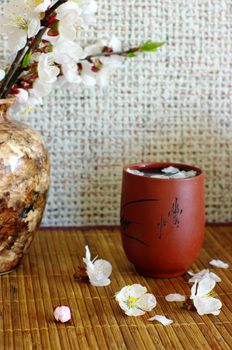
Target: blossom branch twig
{"type": "Point", "coordinates": [108, 54]}
{"type": "Point", "coordinates": [146, 47]}
{"type": "Point", "coordinates": [45, 33]}
{"type": "Point", "coordinates": [15, 68]}
{"type": "Point", "coordinates": [19, 69]}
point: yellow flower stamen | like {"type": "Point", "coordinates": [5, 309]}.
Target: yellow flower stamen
{"type": "Point", "coordinates": [21, 22]}
{"type": "Point", "coordinates": [211, 294]}
{"type": "Point", "coordinates": [32, 3]}
{"type": "Point", "coordinates": [131, 302]}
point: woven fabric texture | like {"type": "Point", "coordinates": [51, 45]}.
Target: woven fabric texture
{"type": "Point", "coordinates": [172, 106]}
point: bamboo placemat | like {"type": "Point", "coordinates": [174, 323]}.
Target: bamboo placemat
{"type": "Point", "coordinates": [45, 279]}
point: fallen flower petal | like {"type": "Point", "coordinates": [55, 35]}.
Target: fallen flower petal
{"type": "Point", "coordinates": [147, 302]}
{"type": "Point", "coordinates": [135, 300]}
{"type": "Point", "coordinates": [219, 263]}
{"type": "Point", "coordinates": [135, 172]}
{"type": "Point", "coordinates": [202, 274]}
{"type": "Point", "coordinates": [162, 319]}
{"type": "Point", "coordinates": [62, 314]}
{"type": "Point", "coordinates": [175, 297]}
{"type": "Point", "coordinates": [207, 305]}
{"type": "Point", "coordinates": [170, 170]}
{"type": "Point", "coordinates": [98, 271]}
{"type": "Point", "coordinates": [204, 287]}
{"type": "Point", "coordinates": [202, 296]}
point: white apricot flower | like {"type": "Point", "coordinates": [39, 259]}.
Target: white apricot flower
{"type": "Point", "coordinates": [86, 74]}
{"type": "Point", "coordinates": [101, 69]}
{"type": "Point", "coordinates": [97, 46]}
{"type": "Point", "coordinates": [111, 63]}
{"type": "Point", "coordinates": [135, 300]}
{"type": "Point", "coordinates": [175, 297]}
{"type": "Point", "coordinates": [62, 314]}
{"type": "Point", "coordinates": [41, 89]}
{"type": "Point", "coordinates": [219, 263]}
{"type": "Point", "coordinates": [19, 22]}
{"type": "Point", "coordinates": [47, 70]}
{"type": "Point", "coordinates": [74, 15]}
{"type": "Point", "coordinates": [22, 96]}
{"type": "Point", "coordinates": [38, 5]}
{"type": "Point", "coordinates": [66, 52]}
{"type": "Point", "coordinates": [23, 106]}
{"type": "Point", "coordinates": [47, 75]}
{"type": "Point", "coordinates": [202, 296]}
{"type": "Point", "coordinates": [202, 274]}
{"type": "Point", "coordinates": [98, 271]}
{"type": "Point", "coordinates": [88, 11]}
{"type": "Point", "coordinates": [114, 44]}
{"type": "Point", "coordinates": [70, 73]}
{"type": "Point", "coordinates": [2, 74]}
{"type": "Point", "coordinates": [162, 319]}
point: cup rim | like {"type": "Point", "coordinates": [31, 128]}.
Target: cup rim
{"type": "Point", "coordinates": [148, 165]}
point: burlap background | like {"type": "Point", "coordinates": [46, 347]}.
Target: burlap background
{"type": "Point", "coordinates": [175, 105]}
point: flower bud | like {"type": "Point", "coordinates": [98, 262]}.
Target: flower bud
{"type": "Point", "coordinates": [62, 314]}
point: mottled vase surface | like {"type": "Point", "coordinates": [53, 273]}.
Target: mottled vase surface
{"type": "Point", "coordinates": [24, 184]}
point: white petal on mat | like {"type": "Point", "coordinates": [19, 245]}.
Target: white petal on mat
{"type": "Point", "coordinates": [159, 176]}
{"type": "Point", "coordinates": [162, 319]}
{"type": "Point", "coordinates": [170, 170]}
{"type": "Point", "coordinates": [198, 276]}
{"type": "Point", "coordinates": [175, 297]}
{"type": "Point", "coordinates": [135, 172]}
{"type": "Point", "coordinates": [219, 263]}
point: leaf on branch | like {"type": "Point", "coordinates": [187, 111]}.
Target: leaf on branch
{"type": "Point", "coordinates": [131, 54]}
{"type": "Point", "coordinates": [26, 60]}
{"type": "Point", "coordinates": [150, 46]}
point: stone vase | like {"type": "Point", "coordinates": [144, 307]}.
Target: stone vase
{"type": "Point", "coordinates": [24, 184]}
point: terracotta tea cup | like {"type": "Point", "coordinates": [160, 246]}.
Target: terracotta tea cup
{"type": "Point", "coordinates": [162, 220]}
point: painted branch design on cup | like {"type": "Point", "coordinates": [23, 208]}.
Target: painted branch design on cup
{"type": "Point", "coordinates": [175, 213]}
{"type": "Point", "coordinates": [125, 222]}
{"type": "Point", "coordinates": [140, 201]}
{"type": "Point", "coordinates": [161, 225]}
{"type": "Point", "coordinates": [134, 238]}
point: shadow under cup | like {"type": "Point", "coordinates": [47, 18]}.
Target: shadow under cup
{"type": "Point", "coordinates": [162, 220]}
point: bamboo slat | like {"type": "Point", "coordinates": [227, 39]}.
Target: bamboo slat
{"type": "Point", "coordinates": [29, 295]}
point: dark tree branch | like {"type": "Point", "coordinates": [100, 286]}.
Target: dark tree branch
{"type": "Point", "coordinates": [11, 71]}
{"type": "Point", "coordinates": [19, 69]}
{"type": "Point", "coordinates": [51, 10]}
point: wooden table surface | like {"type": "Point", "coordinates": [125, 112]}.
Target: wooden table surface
{"type": "Point", "coordinates": [45, 280]}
